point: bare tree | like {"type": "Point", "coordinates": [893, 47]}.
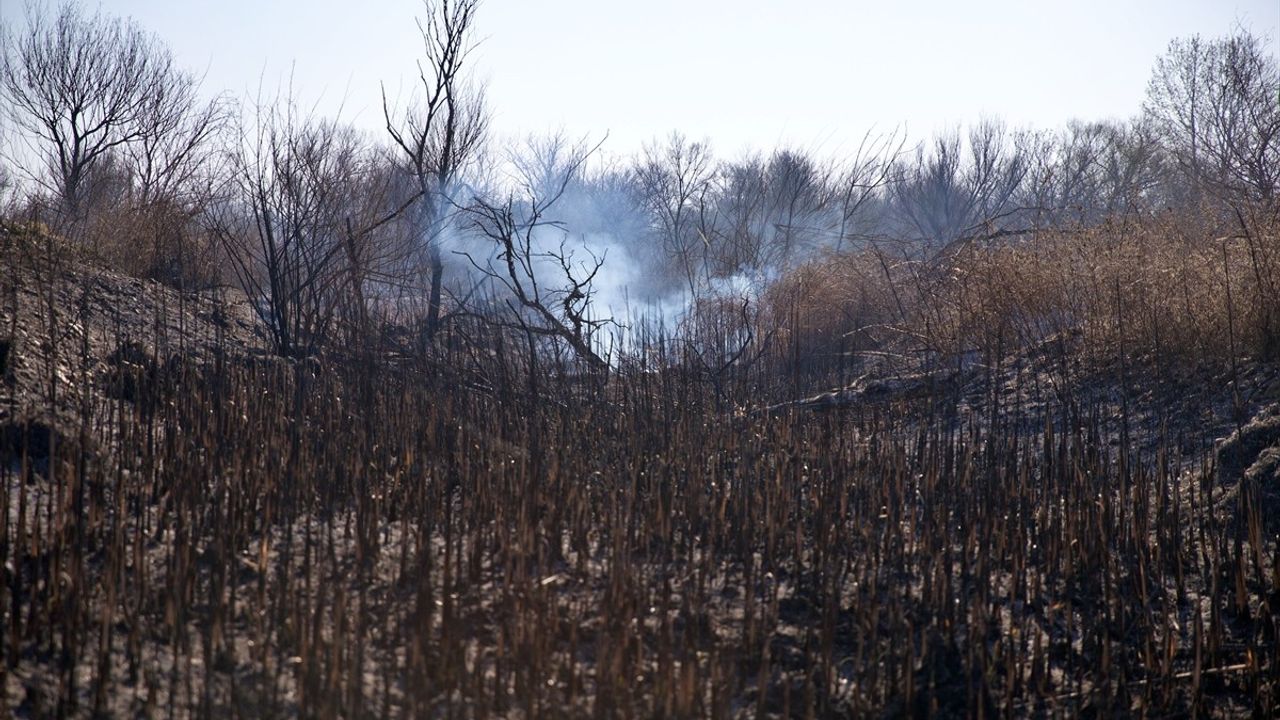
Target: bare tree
{"type": "Point", "coordinates": [296, 223]}
{"type": "Point", "coordinates": [84, 86]}
{"type": "Point", "coordinates": [1215, 103]}
{"type": "Point", "coordinates": [799, 199]}
{"type": "Point", "coordinates": [1089, 172]}
{"type": "Point", "coordinates": [763, 213]}
{"type": "Point", "coordinates": [376, 246]}
{"type": "Point", "coordinates": [731, 217]}
{"type": "Point", "coordinates": [170, 157]}
{"type": "Point", "coordinates": [1175, 96]}
{"type": "Point", "coordinates": [863, 179]}
{"type": "Point", "coordinates": [546, 287]}
{"type": "Point", "coordinates": [930, 199]}
{"type": "Point", "coordinates": [440, 133]}
{"type": "Point", "coordinates": [674, 177]}
{"type": "Point", "coordinates": [8, 179]}
{"type": "Point", "coordinates": [174, 172]}
{"type": "Point", "coordinates": [962, 189]}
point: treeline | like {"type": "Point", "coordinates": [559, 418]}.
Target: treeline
{"type": "Point", "coordinates": [337, 235]}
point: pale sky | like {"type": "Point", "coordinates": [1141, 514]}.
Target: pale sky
{"type": "Point", "coordinates": [813, 74]}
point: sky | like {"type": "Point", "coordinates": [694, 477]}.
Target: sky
{"type": "Point", "coordinates": [808, 74]}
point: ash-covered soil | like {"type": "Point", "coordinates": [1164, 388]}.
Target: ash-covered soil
{"type": "Point", "coordinates": [279, 539]}
{"type": "Point", "coordinates": [73, 332]}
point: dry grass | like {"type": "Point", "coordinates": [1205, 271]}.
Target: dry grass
{"type": "Point", "coordinates": [1166, 287]}
{"type": "Point", "coordinates": [228, 536]}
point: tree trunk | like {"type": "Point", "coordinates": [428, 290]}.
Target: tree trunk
{"type": "Point", "coordinates": [433, 304]}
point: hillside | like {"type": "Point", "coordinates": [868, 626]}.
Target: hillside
{"type": "Point", "coordinates": [76, 332]}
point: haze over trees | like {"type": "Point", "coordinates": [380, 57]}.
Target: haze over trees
{"type": "Point", "coordinates": [311, 216]}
